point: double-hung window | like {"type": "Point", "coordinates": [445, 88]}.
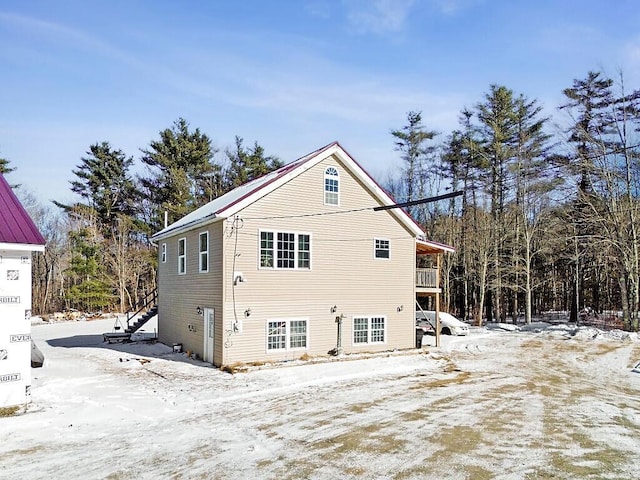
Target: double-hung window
{"type": "Point", "coordinates": [203, 260]}
{"type": "Point", "coordinates": [182, 256]}
{"type": "Point", "coordinates": [163, 253]}
{"type": "Point", "coordinates": [331, 186]}
{"type": "Point", "coordinates": [285, 250]}
{"type": "Point", "coordinates": [367, 330]}
{"type": "Point", "coordinates": [286, 334]}
{"type": "Point", "coordinates": [381, 248]}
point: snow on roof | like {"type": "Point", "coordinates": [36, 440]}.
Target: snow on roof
{"type": "Point", "coordinates": [232, 202]}
{"type": "Point", "coordinates": [16, 226]}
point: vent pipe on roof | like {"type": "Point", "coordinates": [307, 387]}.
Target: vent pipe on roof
{"type": "Point", "coordinates": [166, 219]}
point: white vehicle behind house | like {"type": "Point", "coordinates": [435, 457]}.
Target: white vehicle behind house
{"type": "Point", "coordinates": [449, 325]}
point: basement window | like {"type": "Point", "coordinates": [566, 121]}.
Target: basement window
{"type": "Point", "coordinates": [286, 334]}
{"type": "Point", "coordinates": [368, 330]}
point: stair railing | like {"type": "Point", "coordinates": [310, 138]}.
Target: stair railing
{"type": "Point", "coordinates": [149, 299]}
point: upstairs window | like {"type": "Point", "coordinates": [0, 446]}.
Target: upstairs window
{"type": "Point", "coordinates": [266, 249]}
{"type": "Point", "coordinates": [182, 256]}
{"type": "Point", "coordinates": [381, 248]}
{"type": "Point", "coordinates": [331, 186]}
{"type": "Point", "coordinates": [204, 252]}
{"type": "Point", "coordinates": [304, 251]}
{"type": "Point", "coordinates": [285, 250]}
{"type": "Point", "coordinates": [163, 253]}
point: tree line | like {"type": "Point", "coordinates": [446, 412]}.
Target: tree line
{"type": "Point", "coordinates": [99, 256]}
{"type": "Point", "coordinates": [547, 219]}
{"type": "Point", "coordinates": [548, 215]}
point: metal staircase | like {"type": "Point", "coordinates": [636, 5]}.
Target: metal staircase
{"type": "Point", "coordinates": [150, 309]}
{"type": "Point", "coordinates": [148, 315]}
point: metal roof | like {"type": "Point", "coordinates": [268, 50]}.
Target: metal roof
{"type": "Point", "coordinates": [16, 226]}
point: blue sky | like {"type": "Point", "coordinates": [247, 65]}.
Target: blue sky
{"type": "Point", "coordinates": [292, 75]}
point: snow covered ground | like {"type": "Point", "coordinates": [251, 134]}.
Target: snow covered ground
{"type": "Point", "coordinates": [549, 402]}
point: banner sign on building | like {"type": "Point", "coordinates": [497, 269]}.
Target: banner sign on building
{"type": "Point", "coordinates": [10, 377]}
{"type": "Point", "coordinates": [10, 299]}
{"type": "Point", "coordinates": [22, 337]}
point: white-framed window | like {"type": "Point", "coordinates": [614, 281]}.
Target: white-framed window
{"type": "Point", "coordinates": [381, 248]}
{"type": "Point", "coordinates": [182, 256]}
{"type": "Point", "coordinates": [369, 329]}
{"type": "Point", "coordinates": [163, 253]}
{"type": "Point", "coordinates": [285, 250]}
{"type": "Point", "coordinates": [266, 250]}
{"type": "Point", "coordinates": [304, 251]}
{"type": "Point", "coordinates": [287, 334]}
{"type": "Point", "coordinates": [331, 186]}
{"type": "Point", "coordinates": [203, 251]}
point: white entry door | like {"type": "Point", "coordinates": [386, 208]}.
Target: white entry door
{"type": "Point", "coordinates": [209, 334]}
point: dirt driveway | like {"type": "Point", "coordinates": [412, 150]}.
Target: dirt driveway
{"type": "Point", "coordinates": [494, 405]}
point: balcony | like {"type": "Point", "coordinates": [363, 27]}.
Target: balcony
{"type": "Point", "coordinates": [427, 280]}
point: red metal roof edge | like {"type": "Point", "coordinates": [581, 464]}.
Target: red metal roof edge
{"type": "Point", "coordinates": [18, 226]}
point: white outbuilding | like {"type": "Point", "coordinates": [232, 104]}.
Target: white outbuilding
{"type": "Point", "coordinates": [19, 238]}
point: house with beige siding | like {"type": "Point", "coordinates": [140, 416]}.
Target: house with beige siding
{"type": "Point", "coordinates": [293, 264]}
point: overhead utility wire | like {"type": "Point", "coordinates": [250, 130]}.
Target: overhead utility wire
{"type": "Point", "coordinates": [418, 202]}
{"type": "Point", "coordinates": [375, 209]}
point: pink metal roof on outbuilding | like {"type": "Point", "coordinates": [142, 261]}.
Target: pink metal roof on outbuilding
{"type": "Point", "coordinates": [16, 226]}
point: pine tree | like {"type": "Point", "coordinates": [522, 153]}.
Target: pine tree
{"type": "Point", "coordinates": [89, 290]}
{"type": "Point", "coordinates": [179, 164]}
{"type": "Point", "coordinates": [247, 163]}
{"type": "Point", "coordinates": [411, 141]}
{"type": "Point", "coordinates": [105, 185]}
{"type": "Point", "coordinates": [5, 169]}
{"type": "Point", "coordinates": [497, 130]}
{"type": "Point", "coordinates": [605, 210]}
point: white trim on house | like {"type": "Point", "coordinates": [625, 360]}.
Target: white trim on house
{"type": "Point", "coordinates": [22, 247]}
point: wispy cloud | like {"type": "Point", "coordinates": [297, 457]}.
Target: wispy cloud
{"type": "Point", "coordinates": [378, 16]}
{"type": "Point", "coordinates": [57, 33]}
{"type": "Point", "coordinates": [451, 7]}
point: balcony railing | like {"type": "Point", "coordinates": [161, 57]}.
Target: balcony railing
{"type": "Point", "coordinates": [427, 277]}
